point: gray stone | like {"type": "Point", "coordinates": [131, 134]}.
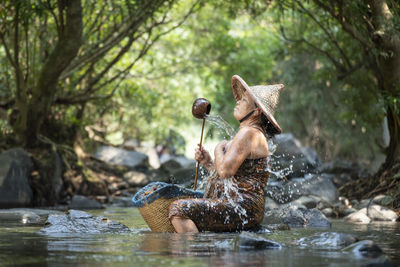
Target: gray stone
{"type": "Point", "coordinates": [15, 168]}
{"type": "Point", "coordinates": [296, 217]}
{"type": "Point", "coordinates": [178, 170]}
{"type": "Point", "coordinates": [26, 216]}
{"type": "Point", "coordinates": [338, 167]}
{"type": "Point", "coordinates": [168, 160]}
{"type": "Point", "coordinates": [19, 216]}
{"type": "Point", "coordinates": [380, 213]}
{"type": "Point", "coordinates": [327, 240]}
{"type": "Point", "coordinates": [154, 160]}
{"type": "Point", "coordinates": [321, 186]}
{"type": "Point", "coordinates": [358, 217]}
{"type": "Point", "coordinates": [364, 248]}
{"type": "Point", "coordinates": [134, 178]}
{"type": "Point", "coordinates": [328, 212]}
{"type": "Point", "coordinates": [82, 202]}
{"type": "Point", "coordinates": [372, 213]}
{"type": "Point", "coordinates": [270, 204]}
{"type": "Point", "coordinates": [122, 157]}
{"type": "Point", "coordinates": [309, 202]}
{"type": "Point", "coordinates": [251, 241]}
{"type": "Point", "coordinates": [75, 221]}
{"type": "Point", "coordinates": [184, 175]}
{"type": "Point", "coordinates": [315, 218]}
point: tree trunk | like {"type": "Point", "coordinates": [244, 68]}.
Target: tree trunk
{"type": "Point", "coordinates": [31, 114]}
{"type": "Point", "coordinates": [387, 40]}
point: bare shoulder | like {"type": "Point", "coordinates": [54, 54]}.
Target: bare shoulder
{"type": "Point", "coordinates": [254, 141]}
{"type": "Point", "coordinates": [249, 132]}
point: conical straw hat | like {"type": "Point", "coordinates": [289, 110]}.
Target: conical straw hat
{"type": "Point", "coordinates": [265, 96]}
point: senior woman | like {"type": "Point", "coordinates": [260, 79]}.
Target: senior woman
{"type": "Point", "coordinates": [234, 195]}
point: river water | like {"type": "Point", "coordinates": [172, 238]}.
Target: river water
{"type": "Point", "coordinates": [22, 245]}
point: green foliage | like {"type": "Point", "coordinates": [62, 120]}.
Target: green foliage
{"type": "Point", "coordinates": [124, 94]}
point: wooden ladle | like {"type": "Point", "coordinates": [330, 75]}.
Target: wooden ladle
{"type": "Point", "coordinates": [201, 108]}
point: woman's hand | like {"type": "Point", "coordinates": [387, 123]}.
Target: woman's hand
{"type": "Point", "coordinates": [203, 156]}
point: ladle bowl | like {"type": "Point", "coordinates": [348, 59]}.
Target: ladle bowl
{"type": "Point", "coordinates": [201, 108]}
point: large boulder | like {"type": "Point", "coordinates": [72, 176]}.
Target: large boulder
{"type": "Point", "coordinates": [358, 217]}
{"type": "Point", "coordinates": [315, 185]}
{"type": "Point", "coordinates": [291, 159]}
{"type": "Point", "coordinates": [296, 217]}
{"type": "Point", "coordinates": [118, 156]}
{"type": "Point", "coordinates": [178, 169]}
{"type": "Point", "coordinates": [15, 169]}
{"type": "Point", "coordinates": [372, 213]}
{"type": "Point", "coordinates": [75, 221]}
{"type": "Point", "coordinates": [338, 166]}
{"type": "Point", "coordinates": [380, 213]}
{"type": "Point", "coordinates": [171, 162]}
{"type": "Point", "coordinates": [154, 159]}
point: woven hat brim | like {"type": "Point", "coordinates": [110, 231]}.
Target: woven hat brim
{"type": "Point", "coordinates": [239, 86]}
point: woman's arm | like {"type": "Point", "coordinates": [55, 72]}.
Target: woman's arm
{"type": "Point", "coordinates": [228, 161]}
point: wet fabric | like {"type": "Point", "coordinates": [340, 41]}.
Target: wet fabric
{"type": "Point", "coordinates": [230, 204]}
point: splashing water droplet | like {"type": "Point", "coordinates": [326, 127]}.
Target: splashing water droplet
{"type": "Point", "coordinates": [222, 126]}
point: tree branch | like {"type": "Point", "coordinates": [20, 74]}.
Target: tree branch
{"type": "Point", "coordinates": [54, 17]}
{"type": "Point", "coordinates": [84, 98]}
{"type": "Point", "coordinates": [328, 34]}
{"type": "Point", "coordinates": [6, 48]}
{"type": "Point", "coordinates": [345, 25]}
{"type": "Point", "coordinates": [98, 50]}
{"type": "Point", "coordinates": [337, 64]}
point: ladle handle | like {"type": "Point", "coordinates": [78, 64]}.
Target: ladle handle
{"type": "Point", "coordinates": [198, 163]}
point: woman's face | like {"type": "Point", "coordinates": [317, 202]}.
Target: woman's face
{"type": "Point", "coordinates": [243, 106]}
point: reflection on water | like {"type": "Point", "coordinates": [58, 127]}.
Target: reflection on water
{"type": "Point", "coordinates": [21, 245]}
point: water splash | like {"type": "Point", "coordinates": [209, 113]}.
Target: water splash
{"type": "Point", "coordinates": [278, 174]}
{"type": "Point", "coordinates": [222, 126]}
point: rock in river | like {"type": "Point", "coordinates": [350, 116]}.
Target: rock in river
{"type": "Point", "coordinates": [297, 217]}
{"type": "Point", "coordinates": [25, 216]}
{"type": "Point", "coordinates": [327, 240]}
{"type": "Point", "coordinates": [75, 221]}
{"type": "Point", "coordinates": [365, 248]}
{"type": "Point", "coordinates": [252, 241]}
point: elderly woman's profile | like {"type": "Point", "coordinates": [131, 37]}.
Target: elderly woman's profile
{"type": "Point", "coordinates": [234, 194]}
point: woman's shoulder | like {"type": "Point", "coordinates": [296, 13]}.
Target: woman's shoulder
{"type": "Point", "coordinates": [256, 143]}
{"type": "Point", "coordinates": [250, 131]}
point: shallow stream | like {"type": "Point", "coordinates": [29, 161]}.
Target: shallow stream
{"type": "Point", "coordinates": [21, 245]}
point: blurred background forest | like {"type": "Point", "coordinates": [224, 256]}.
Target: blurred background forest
{"type": "Point", "coordinates": [75, 73]}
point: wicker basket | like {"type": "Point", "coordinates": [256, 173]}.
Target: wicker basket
{"type": "Point", "coordinates": [153, 202]}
